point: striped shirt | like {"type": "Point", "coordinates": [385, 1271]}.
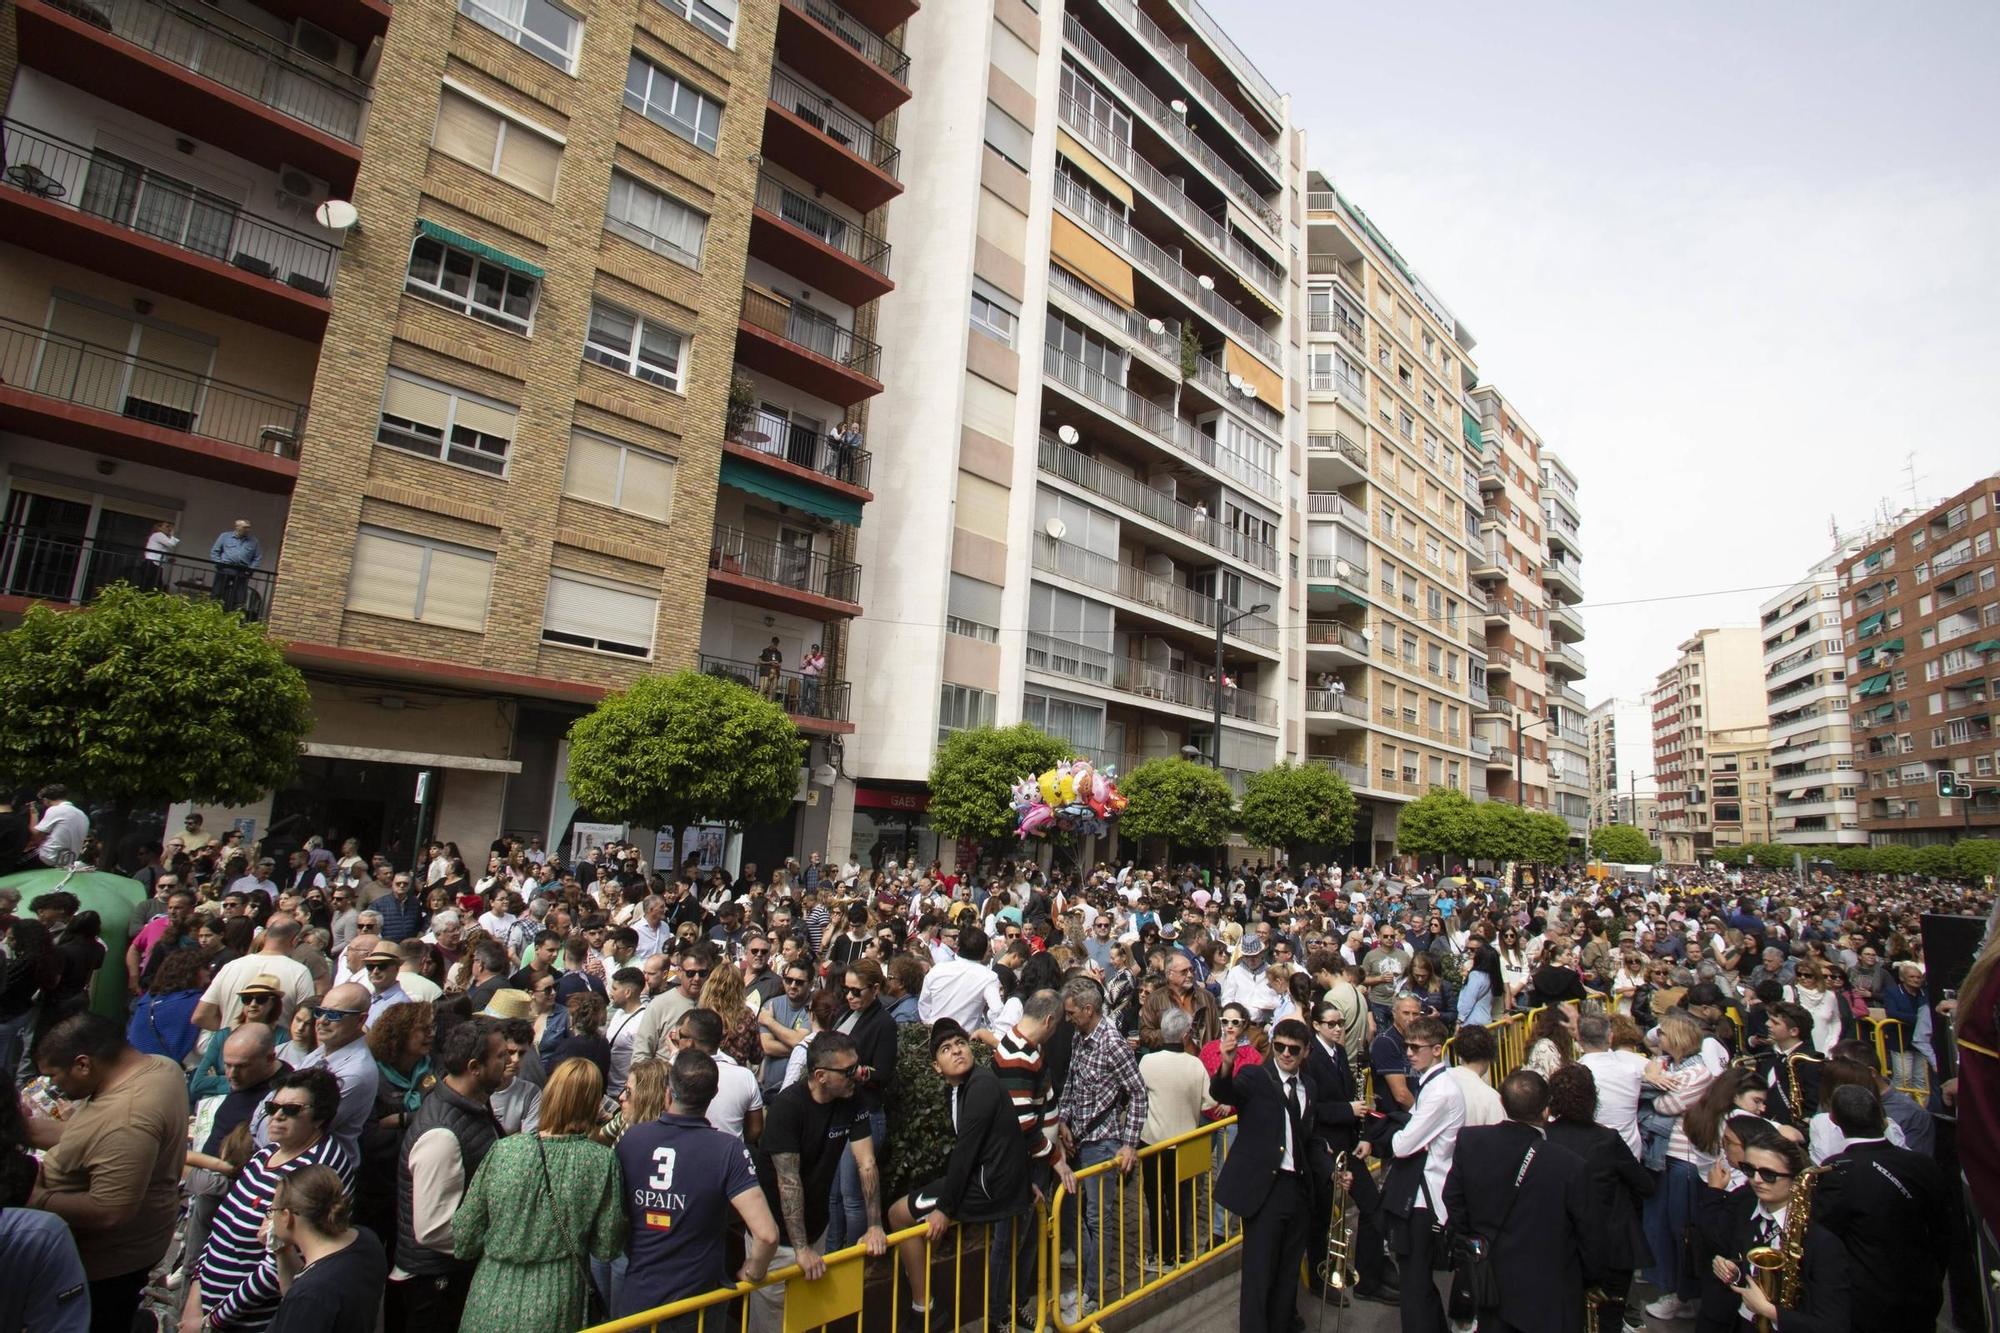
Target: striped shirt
{"type": "Point", "coordinates": [239, 1278]}
{"type": "Point", "coordinates": [1018, 1062]}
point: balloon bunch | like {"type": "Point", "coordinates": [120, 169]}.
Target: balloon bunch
{"type": "Point", "coordinates": [1072, 797]}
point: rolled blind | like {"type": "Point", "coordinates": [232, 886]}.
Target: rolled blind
{"type": "Point", "coordinates": [495, 421]}
{"type": "Point", "coordinates": [649, 485]}
{"type": "Point", "coordinates": [466, 130]}
{"type": "Point", "coordinates": [456, 589]}
{"type": "Point", "coordinates": [591, 609]}
{"type": "Point", "coordinates": [592, 473]}
{"type": "Point", "coordinates": [529, 161]}
{"type": "Point", "coordinates": [416, 402]}
{"type": "Point", "coordinates": [386, 576]}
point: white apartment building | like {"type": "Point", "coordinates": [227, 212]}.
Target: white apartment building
{"type": "Point", "coordinates": [1619, 745]}
{"type": "Point", "coordinates": [1562, 557]}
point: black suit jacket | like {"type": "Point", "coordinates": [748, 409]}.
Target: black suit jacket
{"type": "Point", "coordinates": [1333, 1091]}
{"type": "Point", "coordinates": [1251, 1171]}
{"type": "Point", "coordinates": [1809, 1063]}
{"type": "Point", "coordinates": [1536, 1232]}
{"type": "Point", "coordinates": [1614, 1186]}
{"type": "Point", "coordinates": [1895, 1214]}
{"type": "Point", "coordinates": [1824, 1300]}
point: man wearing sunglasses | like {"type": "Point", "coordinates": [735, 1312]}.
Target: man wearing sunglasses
{"type": "Point", "coordinates": [338, 1022]}
{"type": "Point", "coordinates": [782, 1024]}
{"type": "Point", "coordinates": [1413, 1193]}
{"type": "Point", "coordinates": [1271, 1178]}
{"type": "Point", "coordinates": [1339, 1126]}
{"type": "Point", "coordinates": [695, 961]}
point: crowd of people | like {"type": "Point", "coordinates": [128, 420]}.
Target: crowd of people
{"type": "Point", "coordinates": [530, 1095]}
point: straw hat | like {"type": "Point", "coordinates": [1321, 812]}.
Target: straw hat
{"type": "Point", "coordinates": [507, 1004]}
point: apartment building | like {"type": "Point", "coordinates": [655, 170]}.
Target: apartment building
{"type": "Point", "coordinates": [1805, 689]}
{"type": "Point", "coordinates": [1715, 684]}
{"type": "Point", "coordinates": [1920, 616]}
{"type": "Point", "coordinates": [1067, 524]}
{"type": "Point", "coordinates": [1562, 590]}
{"type": "Point", "coordinates": [1618, 742]}
{"type": "Point", "coordinates": [1739, 785]}
{"type": "Point", "coordinates": [473, 409]}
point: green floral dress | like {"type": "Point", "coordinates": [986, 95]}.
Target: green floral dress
{"type": "Point", "coordinates": [530, 1278]}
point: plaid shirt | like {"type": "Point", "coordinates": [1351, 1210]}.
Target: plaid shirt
{"type": "Point", "coordinates": [1101, 1072]}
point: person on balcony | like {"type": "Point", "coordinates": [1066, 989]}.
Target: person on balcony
{"type": "Point", "coordinates": [770, 667]}
{"type": "Point", "coordinates": [846, 441]}
{"type": "Point", "coordinates": [810, 668]}
{"type": "Point", "coordinates": [235, 554]}
{"type": "Point", "coordinates": [160, 546]}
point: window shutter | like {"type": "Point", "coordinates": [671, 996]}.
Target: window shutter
{"type": "Point", "coordinates": [495, 421]}
{"type": "Point", "coordinates": [386, 576]}
{"type": "Point", "coordinates": [529, 161]}
{"type": "Point", "coordinates": [456, 590]}
{"type": "Point", "coordinates": [466, 130]}
{"type": "Point", "coordinates": [589, 609]}
{"type": "Point", "coordinates": [593, 470]}
{"type": "Point", "coordinates": [649, 485]}
{"type": "Point", "coordinates": [416, 402]}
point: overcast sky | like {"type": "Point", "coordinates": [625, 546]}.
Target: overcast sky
{"type": "Point", "coordinates": [1733, 262]}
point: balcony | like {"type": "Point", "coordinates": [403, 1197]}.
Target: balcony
{"type": "Point", "coordinates": [1143, 680]}
{"type": "Point", "coordinates": [1335, 708]}
{"type": "Point", "coordinates": [1335, 637]}
{"type": "Point", "coordinates": [205, 76]}
{"type": "Point", "coordinates": [804, 348]}
{"type": "Point", "coordinates": [1490, 476]}
{"type": "Point", "coordinates": [882, 15]}
{"type": "Point", "coordinates": [1220, 110]}
{"type": "Point", "coordinates": [1498, 611]}
{"type": "Point", "coordinates": [1159, 339]}
{"type": "Point", "coordinates": [1348, 460]}
{"type": "Point", "coordinates": [1485, 561]}
{"type": "Point", "coordinates": [780, 576]}
{"type": "Point", "coordinates": [1349, 330]}
{"type": "Point", "coordinates": [1565, 574]}
{"type": "Point", "coordinates": [1499, 756]}
{"type": "Point", "coordinates": [98, 398]}
{"type": "Point", "coordinates": [817, 245]}
{"type": "Point", "coordinates": [1480, 746]}
{"type": "Point", "coordinates": [127, 221]}
{"type": "Point", "coordinates": [1213, 378]}
{"type": "Point", "coordinates": [1157, 594]}
{"type": "Point", "coordinates": [1562, 533]}
{"type": "Point", "coordinates": [769, 438]}
{"type": "Point", "coordinates": [813, 135]}
{"type": "Point", "coordinates": [42, 566]}
{"type": "Point", "coordinates": [814, 702]}
{"type": "Point", "coordinates": [1156, 422]}
{"type": "Point", "coordinates": [1569, 694]}
{"type": "Point", "coordinates": [836, 50]}
{"type": "Point", "coordinates": [1356, 774]}
{"type": "Point", "coordinates": [1334, 505]}
{"type": "Point", "coordinates": [1564, 622]}
{"type": "Point", "coordinates": [1473, 495]}
{"type": "Point", "coordinates": [1134, 496]}
{"type": "Point", "coordinates": [1339, 572]}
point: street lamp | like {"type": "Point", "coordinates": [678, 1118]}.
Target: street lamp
{"type": "Point", "coordinates": [1222, 623]}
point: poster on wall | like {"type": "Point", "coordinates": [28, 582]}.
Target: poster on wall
{"type": "Point", "coordinates": [708, 842]}
{"type": "Point", "coordinates": [583, 837]}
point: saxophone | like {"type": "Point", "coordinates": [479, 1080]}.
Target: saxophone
{"type": "Point", "coordinates": [1780, 1272]}
{"type": "Point", "coordinates": [1795, 1098]}
{"type": "Point", "coordinates": [1334, 1270]}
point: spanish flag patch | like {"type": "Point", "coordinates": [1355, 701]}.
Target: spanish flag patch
{"type": "Point", "coordinates": [658, 1221]}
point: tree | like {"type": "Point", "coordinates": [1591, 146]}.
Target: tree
{"type": "Point", "coordinates": [1176, 799]}
{"type": "Point", "coordinates": [1545, 838]}
{"type": "Point", "coordinates": [1293, 804]}
{"type": "Point", "coordinates": [147, 698]}
{"type": "Point", "coordinates": [1894, 859]}
{"type": "Point", "coordinates": [685, 749]}
{"type": "Point", "coordinates": [1444, 822]}
{"type": "Point", "coordinates": [1623, 844]}
{"type": "Point", "coordinates": [1978, 857]}
{"type": "Point", "coordinates": [974, 772]}
{"type": "Point", "coordinates": [1503, 833]}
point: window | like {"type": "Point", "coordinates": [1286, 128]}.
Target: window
{"type": "Point", "coordinates": [1008, 136]}
{"type": "Point", "coordinates": [657, 221]}
{"type": "Point", "coordinates": [621, 476]}
{"type": "Point", "coordinates": [588, 612]}
{"type": "Point", "coordinates": [413, 578]}
{"type": "Point", "coordinates": [471, 285]}
{"type": "Point", "coordinates": [481, 136]}
{"type": "Point", "coordinates": [444, 423]}
{"type": "Point", "coordinates": [994, 313]}
{"type": "Point", "coordinates": [545, 31]}
{"type": "Point", "coordinates": [666, 101]}
{"type": "Point", "coordinates": [634, 346]}
{"type": "Point", "coordinates": [973, 609]}
{"type": "Point", "coordinates": [717, 18]}
{"type": "Point", "coordinates": [961, 706]}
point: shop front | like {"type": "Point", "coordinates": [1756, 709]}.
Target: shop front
{"type": "Point", "coordinates": [890, 825]}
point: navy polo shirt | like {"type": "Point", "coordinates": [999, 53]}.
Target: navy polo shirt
{"type": "Point", "coordinates": [679, 1175]}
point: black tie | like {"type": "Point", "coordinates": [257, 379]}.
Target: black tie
{"type": "Point", "coordinates": [1767, 1229]}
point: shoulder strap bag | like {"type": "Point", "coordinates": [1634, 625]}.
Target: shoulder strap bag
{"type": "Point", "coordinates": [593, 1304]}
{"type": "Point", "coordinates": [1473, 1277]}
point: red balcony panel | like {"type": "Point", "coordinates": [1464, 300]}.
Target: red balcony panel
{"type": "Point", "coordinates": [862, 65]}
{"type": "Point", "coordinates": [824, 267]}
{"type": "Point", "coordinates": [33, 414]}
{"type": "Point", "coordinates": [80, 52]}
{"type": "Point", "coordinates": [68, 234]}
{"type": "Point", "coordinates": [326, 657]}
{"type": "Point", "coordinates": [794, 143]}
{"type": "Point", "coordinates": [826, 361]}
{"type": "Point", "coordinates": [882, 15]}
{"type": "Point", "coordinates": [751, 591]}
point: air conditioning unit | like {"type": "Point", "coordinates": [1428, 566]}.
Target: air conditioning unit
{"type": "Point", "coordinates": [300, 191]}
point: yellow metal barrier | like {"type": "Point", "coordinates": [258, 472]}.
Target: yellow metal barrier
{"type": "Point", "coordinates": [784, 1302]}
{"type": "Point", "coordinates": [1890, 1040]}
{"type": "Point", "coordinates": [1154, 1225]}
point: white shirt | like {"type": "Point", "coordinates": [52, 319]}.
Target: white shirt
{"type": "Point", "coordinates": [653, 939]}
{"type": "Point", "coordinates": [1482, 1104]}
{"type": "Point", "coordinates": [736, 1096]}
{"type": "Point", "coordinates": [961, 990]}
{"type": "Point", "coordinates": [1435, 1119]}
{"type": "Point", "coordinates": [1824, 1139]}
{"type": "Point", "coordinates": [159, 546]}
{"type": "Point", "coordinates": [1242, 986]}
{"type": "Point", "coordinates": [1618, 1076]}
{"type": "Point", "coordinates": [66, 827]}
{"type": "Point", "coordinates": [295, 977]}
{"type": "Point", "coordinates": [622, 1029]}
{"type": "Point", "coordinates": [1292, 1088]}
{"type": "Point", "coordinates": [419, 987]}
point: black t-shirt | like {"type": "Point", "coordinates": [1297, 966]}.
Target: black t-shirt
{"type": "Point", "coordinates": [339, 1294]}
{"type": "Point", "coordinates": [817, 1132]}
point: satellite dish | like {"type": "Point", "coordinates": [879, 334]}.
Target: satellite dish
{"type": "Point", "coordinates": [1205, 282]}
{"type": "Point", "coordinates": [1179, 107]}
{"type": "Point", "coordinates": [1342, 568]}
{"type": "Point", "coordinates": [1367, 634]}
{"type": "Point", "coordinates": [1067, 434]}
{"type": "Point", "coordinates": [337, 214]}
{"type": "Point", "coordinates": [824, 775]}
{"type": "Point", "coordinates": [1056, 528]}
{"type": "Point", "coordinates": [1249, 389]}
{"type": "Point", "coordinates": [1235, 380]}
{"type": "Point", "coordinates": [1155, 327]}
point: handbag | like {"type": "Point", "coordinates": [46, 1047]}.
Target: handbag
{"type": "Point", "coordinates": [594, 1311]}
{"type": "Point", "coordinates": [1473, 1278]}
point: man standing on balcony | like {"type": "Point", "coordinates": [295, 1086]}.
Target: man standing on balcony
{"type": "Point", "coordinates": [810, 667]}
{"type": "Point", "coordinates": [160, 544]}
{"type": "Point", "coordinates": [846, 446]}
{"type": "Point", "coordinates": [235, 554]}
{"type": "Point", "coordinates": [770, 666]}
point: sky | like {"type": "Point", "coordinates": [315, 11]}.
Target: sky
{"type": "Point", "coordinates": [1734, 263]}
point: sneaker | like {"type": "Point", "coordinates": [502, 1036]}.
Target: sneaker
{"type": "Point", "coordinates": [1069, 1258]}
{"type": "Point", "coordinates": [1670, 1306]}
{"type": "Point", "coordinates": [1153, 1266]}
{"type": "Point", "coordinates": [1075, 1307]}
{"type": "Point", "coordinates": [1635, 1322]}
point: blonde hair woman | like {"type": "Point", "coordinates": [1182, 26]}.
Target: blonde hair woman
{"type": "Point", "coordinates": [724, 993]}
{"type": "Point", "coordinates": [1680, 1077]}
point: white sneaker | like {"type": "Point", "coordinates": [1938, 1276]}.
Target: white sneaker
{"type": "Point", "coordinates": [1069, 1258]}
{"type": "Point", "coordinates": [1075, 1307]}
{"type": "Point", "coordinates": [1669, 1306]}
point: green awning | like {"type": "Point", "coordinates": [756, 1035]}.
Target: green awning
{"type": "Point", "coordinates": [460, 242]}
{"type": "Point", "coordinates": [1987, 646]}
{"type": "Point", "coordinates": [1871, 624]}
{"type": "Point", "coordinates": [1473, 435]}
{"type": "Point", "coordinates": [1894, 645]}
{"type": "Point", "coordinates": [787, 490]}
{"type": "Point", "coordinates": [1874, 685]}
{"type": "Point", "coordinates": [1874, 559]}
{"type": "Point", "coordinates": [1865, 656]}
{"type": "Point", "coordinates": [1882, 714]}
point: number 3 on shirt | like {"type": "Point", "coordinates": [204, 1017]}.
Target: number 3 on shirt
{"type": "Point", "coordinates": [663, 1177]}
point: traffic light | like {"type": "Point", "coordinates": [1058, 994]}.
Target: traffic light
{"type": "Point", "coordinates": [1951, 786]}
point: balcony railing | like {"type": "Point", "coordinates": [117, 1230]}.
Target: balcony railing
{"type": "Point", "coordinates": [812, 331]}
{"type": "Point", "coordinates": [1135, 326]}
{"type": "Point", "coordinates": [1565, 566]}
{"type": "Point", "coordinates": [1212, 99]}
{"type": "Point", "coordinates": [1356, 774]}
{"type": "Point", "coordinates": [879, 51]}
{"type": "Point", "coordinates": [53, 567]}
{"type": "Point", "coordinates": [1167, 123]}
{"type": "Point", "coordinates": [262, 68]}
{"type": "Point", "coordinates": [1154, 419]}
{"type": "Point", "coordinates": [1336, 505]}
{"type": "Point", "coordinates": [1129, 493]}
{"type": "Point", "coordinates": [1164, 267]}
{"type": "Point", "coordinates": [1142, 679]}
{"type": "Point", "coordinates": [1161, 592]}
{"type": "Point", "coordinates": [1481, 746]}
{"type": "Point", "coordinates": [1332, 632]}
{"type": "Point", "coordinates": [1336, 701]}
{"type": "Point", "coordinates": [1338, 569]}
{"type": "Point", "coordinates": [737, 552]}
{"type": "Point", "coordinates": [1216, 380]}
{"type": "Point", "coordinates": [858, 243]}
{"type": "Point", "coordinates": [1336, 443]}
{"type": "Point", "coordinates": [1333, 321]}
{"type": "Point", "coordinates": [798, 694]}
{"type": "Point", "coordinates": [145, 392]}
{"type": "Point", "coordinates": [835, 121]}
{"type": "Point", "coordinates": [139, 199]}
{"type": "Point", "coordinates": [1249, 264]}
{"type": "Point", "coordinates": [806, 446]}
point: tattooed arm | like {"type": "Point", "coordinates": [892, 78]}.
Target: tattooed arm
{"type": "Point", "coordinates": [792, 1202]}
{"type": "Point", "coordinates": [871, 1192]}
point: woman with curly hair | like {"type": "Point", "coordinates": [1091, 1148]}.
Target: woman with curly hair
{"type": "Point", "coordinates": [1551, 1039]}
{"type": "Point", "coordinates": [163, 1019]}
{"type": "Point", "coordinates": [586, 1039]}
{"type": "Point", "coordinates": [725, 994]}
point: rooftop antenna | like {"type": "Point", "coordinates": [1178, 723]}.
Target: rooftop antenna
{"type": "Point", "coordinates": [1910, 470]}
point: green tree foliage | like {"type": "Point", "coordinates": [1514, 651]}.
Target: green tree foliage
{"type": "Point", "coordinates": [1294, 804]}
{"type": "Point", "coordinates": [1444, 822]}
{"type": "Point", "coordinates": [1503, 832]}
{"type": "Point", "coordinates": [919, 1107]}
{"type": "Point", "coordinates": [685, 749]}
{"type": "Point", "coordinates": [1545, 838]}
{"type": "Point", "coordinates": [1176, 799]}
{"type": "Point", "coordinates": [1624, 844]}
{"type": "Point", "coordinates": [143, 697]}
{"type": "Point", "coordinates": [973, 776]}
